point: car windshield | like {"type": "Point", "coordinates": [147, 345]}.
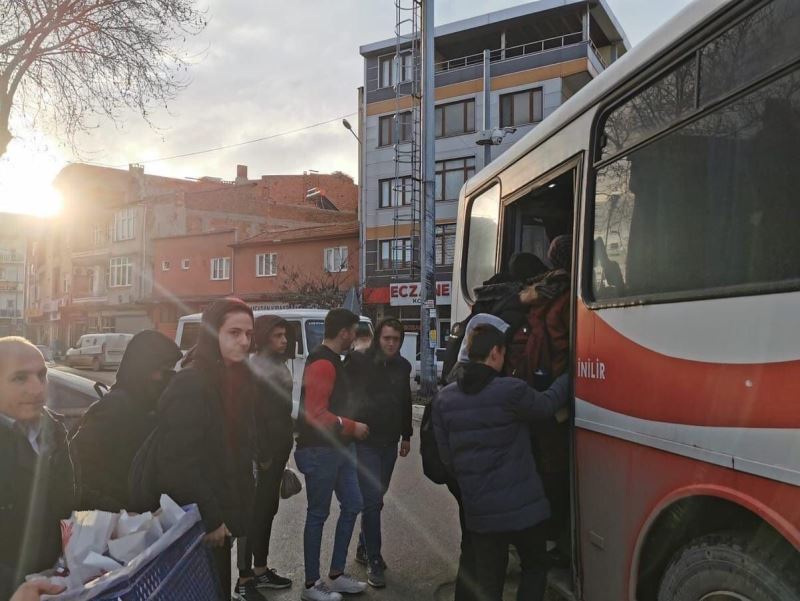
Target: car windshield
{"type": "Point", "coordinates": [315, 332]}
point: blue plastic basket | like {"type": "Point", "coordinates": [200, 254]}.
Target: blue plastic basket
{"type": "Point", "coordinates": [184, 571]}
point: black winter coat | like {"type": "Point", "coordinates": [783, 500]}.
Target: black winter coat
{"type": "Point", "coordinates": [114, 428]}
{"type": "Point", "coordinates": [195, 463]}
{"type": "Point", "coordinates": [110, 433]}
{"type": "Point", "coordinates": [481, 424]}
{"type": "Point", "coordinates": [383, 390]}
{"type": "Point", "coordinates": [30, 530]}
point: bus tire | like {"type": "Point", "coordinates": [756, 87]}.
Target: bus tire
{"type": "Point", "coordinates": [715, 564]}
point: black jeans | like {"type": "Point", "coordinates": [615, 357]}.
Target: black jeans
{"type": "Point", "coordinates": [222, 564]}
{"type": "Point", "coordinates": [466, 579]}
{"type": "Point", "coordinates": [491, 560]}
{"type": "Point", "coordinates": [255, 550]}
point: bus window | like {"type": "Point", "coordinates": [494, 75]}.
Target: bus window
{"type": "Point", "coordinates": [710, 206]}
{"type": "Point", "coordinates": [483, 215]}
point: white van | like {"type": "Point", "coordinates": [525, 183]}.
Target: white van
{"type": "Point", "coordinates": [308, 326]}
{"type": "Point", "coordinates": [98, 351]}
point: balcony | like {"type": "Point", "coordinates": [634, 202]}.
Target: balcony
{"type": "Point", "coordinates": [12, 258]}
{"type": "Point", "coordinates": [90, 256]}
{"type": "Point", "coordinates": [503, 61]}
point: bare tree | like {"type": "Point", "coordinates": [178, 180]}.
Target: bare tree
{"type": "Point", "coordinates": [314, 292]}
{"type": "Point", "coordinates": [63, 62]}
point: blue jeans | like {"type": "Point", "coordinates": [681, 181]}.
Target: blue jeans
{"type": "Point", "coordinates": [375, 467]}
{"type": "Point", "coordinates": [328, 470]}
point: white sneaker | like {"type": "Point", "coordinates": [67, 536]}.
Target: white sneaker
{"type": "Point", "coordinates": [347, 584]}
{"type": "Point", "coordinates": [319, 592]}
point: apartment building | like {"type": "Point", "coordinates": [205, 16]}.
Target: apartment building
{"type": "Point", "coordinates": [13, 253]}
{"type": "Point", "coordinates": [93, 270]}
{"type": "Point", "coordinates": [539, 54]}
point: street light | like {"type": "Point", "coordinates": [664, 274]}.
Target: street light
{"type": "Point", "coordinates": [349, 128]}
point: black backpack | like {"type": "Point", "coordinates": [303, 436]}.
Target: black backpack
{"type": "Point", "coordinates": [432, 465]}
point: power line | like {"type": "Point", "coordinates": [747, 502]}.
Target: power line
{"type": "Point", "coordinates": [262, 139]}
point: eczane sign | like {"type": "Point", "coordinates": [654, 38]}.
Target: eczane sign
{"type": "Point", "coordinates": [406, 294]}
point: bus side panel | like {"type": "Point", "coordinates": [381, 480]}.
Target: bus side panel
{"type": "Point", "coordinates": [621, 486]}
{"type": "Point", "coordinates": [663, 408]}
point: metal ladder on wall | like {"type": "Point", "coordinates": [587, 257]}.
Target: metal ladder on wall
{"type": "Point", "coordinates": [407, 134]}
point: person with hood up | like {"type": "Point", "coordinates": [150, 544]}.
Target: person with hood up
{"type": "Point", "coordinates": [205, 440]}
{"type": "Point", "coordinates": [273, 411]}
{"type": "Point", "coordinates": [113, 429]}
{"type": "Point", "coordinates": [481, 424]}
{"type": "Point", "coordinates": [385, 406]}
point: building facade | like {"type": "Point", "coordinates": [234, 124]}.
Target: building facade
{"type": "Point", "coordinates": [540, 54]}
{"type": "Point", "coordinates": [13, 255]}
{"type": "Point", "coordinates": [100, 265]}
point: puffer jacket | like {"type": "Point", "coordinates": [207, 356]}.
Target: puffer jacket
{"type": "Point", "coordinates": [481, 424]}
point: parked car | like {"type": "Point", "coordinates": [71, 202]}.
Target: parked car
{"type": "Point", "coordinates": [98, 351]}
{"type": "Point", "coordinates": [440, 353]}
{"type": "Point", "coordinates": [306, 331]}
{"type": "Point", "coordinates": [70, 395]}
{"type": "Point", "coordinates": [47, 353]}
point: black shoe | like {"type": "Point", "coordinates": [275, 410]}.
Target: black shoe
{"type": "Point", "coordinates": [246, 591]}
{"type": "Point", "coordinates": [361, 555]}
{"type": "Point", "coordinates": [375, 575]}
{"type": "Point", "coordinates": [271, 579]}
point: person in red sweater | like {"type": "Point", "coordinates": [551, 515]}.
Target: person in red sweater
{"type": "Point", "coordinates": [326, 456]}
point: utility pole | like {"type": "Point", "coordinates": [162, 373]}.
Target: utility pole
{"type": "Point", "coordinates": [487, 97]}
{"type": "Point", "coordinates": [428, 213]}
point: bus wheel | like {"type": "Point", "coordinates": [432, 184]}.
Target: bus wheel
{"type": "Point", "coordinates": [728, 567]}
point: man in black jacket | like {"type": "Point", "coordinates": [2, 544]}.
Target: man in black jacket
{"type": "Point", "coordinates": [482, 425]}
{"type": "Point", "coordinates": [385, 387]}
{"type": "Point", "coordinates": [115, 427]}
{"type": "Point", "coordinates": [38, 486]}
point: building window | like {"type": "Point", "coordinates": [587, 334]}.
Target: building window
{"type": "Point", "coordinates": [451, 175]}
{"type": "Point", "coordinates": [386, 127]}
{"type": "Point", "coordinates": [99, 234]}
{"type": "Point", "coordinates": [396, 253]}
{"type": "Point", "coordinates": [125, 224]}
{"type": "Point", "coordinates": [406, 67]}
{"type": "Point", "coordinates": [165, 265]}
{"type": "Point", "coordinates": [221, 268]}
{"type": "Point", "coordinates": [335, 259]}
{"type": "Point", "coordinates": [455, 119]}
{"type": "Point", "coordinates": [390, 195]}
{"type": "Point", "coordinates": [445, 243]}
{"type": "Point", "coordinates": [521, 108]}
{"type": "Point", "coordinates": [385, 71]}
{"type": "Point", "coordinates": [184, 264]}
{"type": "Point", "coordinates": [390, 71]}
{"type": "Point", "coordinates": [266, 265]}
{"type": "Point", "coordinates": [120, 272]}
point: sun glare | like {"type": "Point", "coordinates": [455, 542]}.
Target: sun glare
{"type": "Point", "coordinates": [26, 182]}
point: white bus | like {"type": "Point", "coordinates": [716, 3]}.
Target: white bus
{"type": "Point", "coordinates": [675, 171]}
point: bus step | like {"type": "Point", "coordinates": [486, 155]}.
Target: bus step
{"type": "Point", "coordinates": [560, 581]}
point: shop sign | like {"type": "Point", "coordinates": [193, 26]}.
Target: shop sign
{"type": "Point", "coordinates": [406, 294]}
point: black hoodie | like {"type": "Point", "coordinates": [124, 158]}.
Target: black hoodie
{"type": "Point", "coordinates": [382, 388]}
{"type": "Point", "coordinates": [113, 428]}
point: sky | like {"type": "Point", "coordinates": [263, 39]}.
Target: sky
{"type": "Point", "coordinates": [262, 67]}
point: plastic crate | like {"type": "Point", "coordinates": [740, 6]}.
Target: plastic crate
{"type": "Point", "coordinates": [183, 572]}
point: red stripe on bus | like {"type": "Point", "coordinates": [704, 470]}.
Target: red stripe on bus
{"type": "Point", "coordinates": [623, 376]}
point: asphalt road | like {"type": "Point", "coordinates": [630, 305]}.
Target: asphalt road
{"type": "Point", "coordinates": [420, 541]}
